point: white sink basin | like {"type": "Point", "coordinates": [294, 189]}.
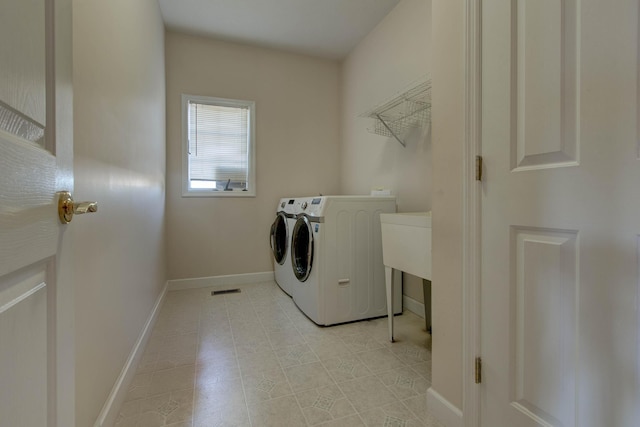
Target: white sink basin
{"type": "Point", "coordinates": [406, 242]}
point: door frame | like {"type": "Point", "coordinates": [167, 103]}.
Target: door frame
{"type": "Point", "coordinates": [471, 211]}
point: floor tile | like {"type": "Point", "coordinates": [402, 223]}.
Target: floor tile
{"type": "Point", "coordinates": [423, 369]}
{"type": "Point", "coordinates": [257, 362]}
{"type": "Point", "coordinates": [367, 393]}
{"type": "Point", "coordinates": [147, 362]}
{"type": "Point", "coordinates": [312, 332]}
{"type": "Point", "coordinates": [285, 338]}
{"type": "Point", "coordinates": [214, 372]}
{"type": "Point", "coordinates": [130, 421]}
{"type": "Point", "coordinates": [404, 382]}
{"type": "Point", "coordinates": [179, 343]}
{"type": "Point", "coordinates": [410, 352]}
{"type": "Point", "coordinates": [130, 408]}
{"type": "Point", "coordinates": [168, 408]}
{"type": "Point", "coordinates": [350, 421]}
{"type": "Point", "coordinates": [215, 351]}
{"type": "Point", "coordinates": [175, 359]}
{"type": "Point", "coordinates": [245, 328]}
{"type": "Point", "coordinates": [232, 414]}
{"type": "Point", "coordinates": [251, 342]}
{"type": "Point", "coordinates": [308, 376]}
{"type": "Point", "coordinates": [283, 411]}
{"type": "Point", "coordinates": [177, 324]}
{"type": "Point", "coordinates": [418, 405]}
{"type": "Point", "coordinates": [242, 315]}
{"type": "Point", "coordinates": [361, 341]}
{"type": "Point", "coordinates": [324, 404]}
{"type": "Point", "coordinates": [287, 326]}
{"type": "Point", "coordinates": [215, 329]}
{"type": "Point", "coordinates": [270, 314]}
{"type": "Point", "coordinates": [350, 329]}
{"type": "Point", "coordinates": [172, 379]}
{"type": "Point", "coordinates": [129, 414]}
{"type": "Point", "coordinates": [379, 360]}
{"type": "Point", "coordinates": [328, 347]}
{"type": "Point", "coordinates": [395, 414]}
{"type": "Point", "coordinates": [155, 343]}
{"type": "Point", "coordinates": [292, 355]}
{"type": "Point", "coordinates": [266, 385]}
{"type": "Point", "coordinates": [221, 404]}
{"type": "Point", "coordinates": [346, 367]}
{"type": "Point", "coordinates": [139, 387]}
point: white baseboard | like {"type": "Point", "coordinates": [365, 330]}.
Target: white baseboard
{"type": "Point", "coordinates": [413, 306]}
{"type": "Point", "coordinates": [232, 279]}
{"type": "Point", "coordinates": [109, 412]}
{"type": "Point", "coordinates": [447, 413]}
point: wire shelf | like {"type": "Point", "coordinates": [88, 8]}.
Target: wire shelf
{"type": "Point", "coordinates": [409, 109]}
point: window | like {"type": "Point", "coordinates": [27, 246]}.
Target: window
{"type": "Point", "coordinates": [218, 147]}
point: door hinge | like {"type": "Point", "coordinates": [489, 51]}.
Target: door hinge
{"type": "Point", "coordinates": [478, 370]}
{"type": "Point", "coordinates": [478, 168]}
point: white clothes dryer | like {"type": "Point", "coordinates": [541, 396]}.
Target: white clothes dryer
{"type": "Point", "coordinates": [336, 255]}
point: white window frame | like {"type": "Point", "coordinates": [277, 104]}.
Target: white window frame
{"type": "Point", "coordinates": [251, 179]}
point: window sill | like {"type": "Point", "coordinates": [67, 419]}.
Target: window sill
{"type": "Point", "coordinates": [214, 194]}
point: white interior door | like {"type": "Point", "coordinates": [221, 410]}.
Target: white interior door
{"type": "Point", "coordinates": [560, 214]}
{"type": "Point", "coordinates": [36, 300]}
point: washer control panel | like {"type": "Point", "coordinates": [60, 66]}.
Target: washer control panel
{"type": "Point", "coordinates": [310, 206]}
{"type": "Point", "coordinates": [314, 206]}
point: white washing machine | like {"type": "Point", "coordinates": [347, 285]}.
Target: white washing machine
{"type": "Point", "coordinates": [336, 255]}
{"type": "Point", "coordinates": [280, 241]}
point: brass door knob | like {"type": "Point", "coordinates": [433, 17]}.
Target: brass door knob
{"type": "Point", "coordinates": [67, 207]}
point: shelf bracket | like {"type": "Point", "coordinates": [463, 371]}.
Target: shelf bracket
{"type": "Point", "coordinates": [390, 131]}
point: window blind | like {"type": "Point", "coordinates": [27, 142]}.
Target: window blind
{"type": "Point", "coordinates": [218, 138]}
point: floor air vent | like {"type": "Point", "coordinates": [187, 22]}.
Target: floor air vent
{"type": "Point", "coordinates": [225, 291]}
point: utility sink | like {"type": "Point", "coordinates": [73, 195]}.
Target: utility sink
{"type": "Point", "coordinates": [406, 246]}
{"type": "Point", "coordinates": [406, 242]}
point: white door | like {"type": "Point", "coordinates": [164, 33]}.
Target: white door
{"type": "Point", "coordinates": [560, 214]}
{"type": "Point", "coordinates": [36, 299]}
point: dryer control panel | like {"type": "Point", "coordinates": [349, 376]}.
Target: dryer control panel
{"type": "Point", "coordinates": [312, 206]}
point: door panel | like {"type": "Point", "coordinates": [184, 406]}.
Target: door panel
{"type": "Point", "coordinates": [22, 59]}
{"type": "Point", "coordinates": [23, 313]}
{"type": "Point", "coordinates": [543, 311]}
{"type": "Point", "coordinates": [560, 214]}
{"type": "Point", "coordinates": [543, 60]}
{"type": "Point", "coordinates": [36, 299]}
{"type": "Point", "coordinates": [28, 219]}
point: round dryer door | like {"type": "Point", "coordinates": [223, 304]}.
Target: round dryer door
{"type": "Point", "coordinates": [279, 238]}
{"type": "Point", "coordinates": [302, 248]}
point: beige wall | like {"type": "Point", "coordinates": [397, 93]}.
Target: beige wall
{"type": "Point", "coordinates": [297, 138]}
{"type": "Point", "coordinates": [394, 55]}
{"type": "Point", "coordinates": [119, 110]}
{"type": "Point", "coordinates": [448, 138]}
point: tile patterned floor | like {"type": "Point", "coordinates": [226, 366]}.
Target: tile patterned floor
{"type": "Point", "coordinates": [253, 359]}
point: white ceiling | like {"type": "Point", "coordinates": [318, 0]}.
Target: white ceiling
{"type": "Point", "coordinates": [326, 28]}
